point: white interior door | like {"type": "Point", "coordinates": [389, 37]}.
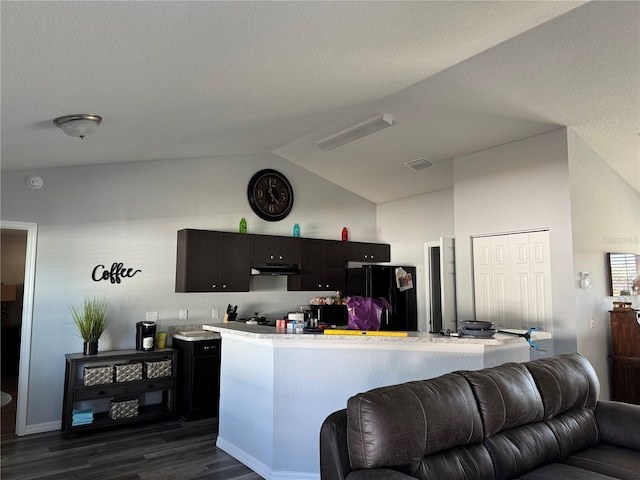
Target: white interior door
{"type": "Point", "coordinates": [448, 279]}
{"type": "Point", "coordinates": [512, 280]}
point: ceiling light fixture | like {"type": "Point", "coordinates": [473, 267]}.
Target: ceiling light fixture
{"type": "Point", "coordinates": [78, 125]}
{"type": "Point", "coordinates": [355, 132]}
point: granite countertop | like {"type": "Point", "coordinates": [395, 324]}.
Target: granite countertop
{"type": "Point", "coordinates": [271, 333]}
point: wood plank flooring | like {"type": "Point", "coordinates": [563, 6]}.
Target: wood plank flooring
{"type": "Point", "coordinates": [167, 450]}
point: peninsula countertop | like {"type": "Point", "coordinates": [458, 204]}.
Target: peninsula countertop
{"type": "Point", "coordinates": [264, 332]}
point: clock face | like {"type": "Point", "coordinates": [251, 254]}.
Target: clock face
{"type": "Point", "coordinates": [270, 195]}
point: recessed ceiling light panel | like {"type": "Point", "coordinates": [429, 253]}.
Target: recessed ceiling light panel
{"type": "Point", "coordinates": [355, 132]}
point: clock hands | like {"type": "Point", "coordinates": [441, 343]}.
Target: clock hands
{"type": "Point", "coordinates": [273, 198]}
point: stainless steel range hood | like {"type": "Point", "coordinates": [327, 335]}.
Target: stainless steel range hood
{"type": "Point", "coordinates": [275, 269]}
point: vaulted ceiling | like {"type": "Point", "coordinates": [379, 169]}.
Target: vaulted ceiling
{"type": "Point", "coordinates": [182, 79]}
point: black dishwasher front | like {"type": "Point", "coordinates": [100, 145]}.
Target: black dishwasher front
{"type": "Point", "coordinates": [198, 378]}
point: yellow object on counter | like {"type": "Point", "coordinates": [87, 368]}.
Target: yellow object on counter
{"type": "Point", "coordinates": [366, 333]}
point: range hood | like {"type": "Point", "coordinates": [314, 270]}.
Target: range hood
{"type": "Point", "coordinates": [275, 269]}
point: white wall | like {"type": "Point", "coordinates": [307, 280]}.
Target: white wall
{"type": "Point", "coordinates": [605, 213]}
{"type": "Point", "coordinates": [407, 224]}
{"type": "Point", "coordinates": [518, 186]}
{"type": "Point", "coordinates": [130, 213]}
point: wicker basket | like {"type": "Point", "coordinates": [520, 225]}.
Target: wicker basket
{"type": "Point", "coordinates": [123, 409]}
{"type": "Point", "coordinates": [128, 372]}
{"type": "Point", "coordinates": [155, 369]}
{"type": "Point", "coordinates": [97, 375]}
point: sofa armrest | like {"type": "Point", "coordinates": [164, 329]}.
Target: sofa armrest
{"type": "Point", "coordinates": [618, 424]}
{"type": "Point", "coordinates": [334, 451]}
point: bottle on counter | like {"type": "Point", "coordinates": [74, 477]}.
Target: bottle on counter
{"type": "Point", "coordinates": [345, 234]}
{"type": "Point", "coordinates": [243, 225]}
{"type": "Point", "coordinates": [296, 230]}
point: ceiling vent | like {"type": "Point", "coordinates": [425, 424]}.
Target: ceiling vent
{"type": "Point", "coordinates": [419, 164]}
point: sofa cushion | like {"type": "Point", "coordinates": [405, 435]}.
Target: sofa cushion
{"type": "Point", "coordinates": [378, 474]}
{"type": "Point", "coordinates": [559, 471]}
{"type": "Point", "coordinates": [400, 424]}
{"type": "Point", "coordinates": [507, 397]}
{"type": "Point", "coordinates": [609, 460]}
{"type": "Point", "coordinates": [565, 382]}
{"type": "Point", "coordinates": [471, 462]}
{"type": "Point", "coordinates": [574, 430]}
{"type": "Point", "coordinates": [520, 449]}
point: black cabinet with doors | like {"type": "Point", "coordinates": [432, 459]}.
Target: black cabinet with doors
{"type": "Point", "coordinates": [269, 249]}
{"type": "Point", "coordinates": [368, 252]}
{"type": "Point", "coordinates": [209, 261]}
{"type": "Point", "coordinates": [198, 378]}
{"type": "Point", "coordinates": [322, 266]}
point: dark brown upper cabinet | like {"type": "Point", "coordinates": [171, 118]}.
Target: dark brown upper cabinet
{"type": "Point", "coordinates": [322, 266]}
{"type": "Point", "coordinates": [269, 249]}
{"type": "Point", "coordinates": [210, 261]}
{"type": "Point", "coordinates": [368, 252]}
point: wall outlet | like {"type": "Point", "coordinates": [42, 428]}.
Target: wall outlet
{"type": "Point", "coordinates": [592, 321]}
{"type": "Point", "coordinates": [215, 313]}
{"type": "Point", "coordinates": [152, 316]}
{"type": "Point", "coordinates": [184, 314]}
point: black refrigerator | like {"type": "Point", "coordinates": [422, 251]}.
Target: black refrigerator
{"type": "Point", "coordinates": [380, 281]}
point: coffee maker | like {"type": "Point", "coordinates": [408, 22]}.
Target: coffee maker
{"type": "Point", "coordinates": [145, 335]}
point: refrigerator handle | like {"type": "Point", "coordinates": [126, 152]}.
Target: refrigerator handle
{"type": "Point", "coordinates": [392, 302]}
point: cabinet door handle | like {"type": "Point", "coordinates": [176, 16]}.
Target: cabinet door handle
{"type": "Point", "coordinates": [271, 257]}
{"type": "Point", "coordinates": [280, 257]}
{"type": "Point", "coordinates": [214, 286]}
{"type": "Point", "coordinates": [372, 256]}
{"type": "Point", "coordinates": [209, 348]}
{"type": "Point", "coordinates": [224, 285]}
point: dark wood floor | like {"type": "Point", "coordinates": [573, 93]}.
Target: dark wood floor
{"type": "Point", "coordinates": [154, 451]}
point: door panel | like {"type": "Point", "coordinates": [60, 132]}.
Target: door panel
{"type": "Point", "coordinates": [513, 288]}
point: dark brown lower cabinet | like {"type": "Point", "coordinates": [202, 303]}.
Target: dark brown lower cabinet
{"type": "Point", "coordinates": [198, 378]}
{"type": "Point", "coordinates": [625, 357]}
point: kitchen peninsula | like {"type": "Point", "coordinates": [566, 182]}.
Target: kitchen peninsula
{"type": "Point", "coordinates": [276, 388]}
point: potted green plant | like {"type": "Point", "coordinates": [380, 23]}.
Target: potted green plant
{"type": "Point", "coordinates": [91, 320]}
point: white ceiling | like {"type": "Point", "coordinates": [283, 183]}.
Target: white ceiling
{"type": "Point", "coordinates": [180, 79]}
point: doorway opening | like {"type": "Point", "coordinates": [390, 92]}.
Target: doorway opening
{"type": "Point", "coordinates": [17, 275]}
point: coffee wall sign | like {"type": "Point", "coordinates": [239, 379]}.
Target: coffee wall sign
{"type": "Point", "coordinates": [115, 275]}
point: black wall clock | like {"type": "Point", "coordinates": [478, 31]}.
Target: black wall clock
{"type": "Point", "coordinates": [270, 195]}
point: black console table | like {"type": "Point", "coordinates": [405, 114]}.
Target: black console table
{"type": "Point", "coordinates": [100, 396]}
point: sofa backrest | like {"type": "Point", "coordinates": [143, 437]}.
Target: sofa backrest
{"type": "Point", "coordinates": [536, 412]}
{"type": "Point", "coordinates": [497, 422]}
{"type": "Point", "coordinates": [402, 424]}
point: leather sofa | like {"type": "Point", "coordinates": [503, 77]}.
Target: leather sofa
{"type": "Point", "coordinates": [538, 420]}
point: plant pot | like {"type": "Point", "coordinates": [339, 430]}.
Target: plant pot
{"type": "Point", "coordinates": [90, 348]}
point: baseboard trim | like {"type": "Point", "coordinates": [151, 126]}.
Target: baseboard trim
{"type": "Point", "coordinates": [259, 467]}
{"type": "Point", "coordinates": [41, 428]}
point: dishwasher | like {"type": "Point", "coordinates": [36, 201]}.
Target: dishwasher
{"type": "Point", "coordinates": [198, 374]}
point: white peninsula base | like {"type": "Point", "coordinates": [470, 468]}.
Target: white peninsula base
{"type": "Point", "coordinates": [276, 389]}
